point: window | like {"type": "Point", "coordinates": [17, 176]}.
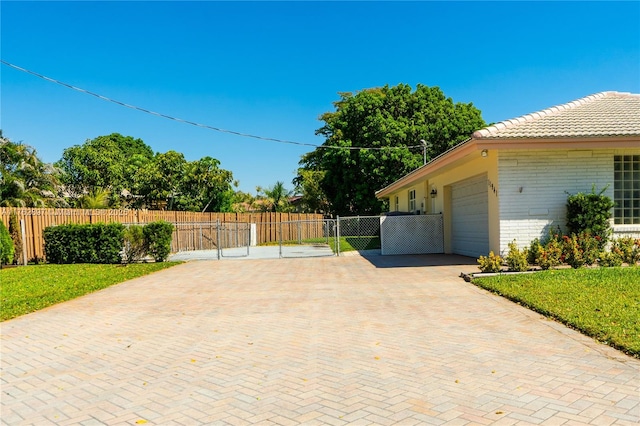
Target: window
{"type": "Point", "coordinates": [626, 189]}
{"type": "Point", "coordinates": [412, 200]}
{"type": "Point", "coordinates": [397, 203]}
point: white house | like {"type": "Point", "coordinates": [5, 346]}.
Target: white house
{"type": "Point", "coordinates": [511, 180]}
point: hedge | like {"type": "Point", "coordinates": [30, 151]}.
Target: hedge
{"type": "Point", "coordinates": [96, 243]}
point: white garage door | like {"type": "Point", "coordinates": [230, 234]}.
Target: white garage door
{"type": "Point", "coordinates": [470, 217]}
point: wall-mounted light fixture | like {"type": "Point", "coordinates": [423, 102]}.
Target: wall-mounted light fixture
{"type": "Point", "coordinates": [434, 193]}
{"type": "Point", "coordinates": [484, 153]}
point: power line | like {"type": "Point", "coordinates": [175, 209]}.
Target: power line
{"type": "Point", "coordinates": [192, 123]}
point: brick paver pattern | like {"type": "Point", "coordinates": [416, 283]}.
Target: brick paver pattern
{"type": "Point", "coordinates": [325, 341]}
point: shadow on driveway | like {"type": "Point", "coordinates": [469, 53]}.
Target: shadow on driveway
{"type": "Point", "coordinates": [410, 261]}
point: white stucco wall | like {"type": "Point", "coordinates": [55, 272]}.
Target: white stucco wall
{"type": "Point", "coordinates": [535, 184]}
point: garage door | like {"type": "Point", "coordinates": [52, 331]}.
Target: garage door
{"type": "Point", "coordinates": [470, 217]}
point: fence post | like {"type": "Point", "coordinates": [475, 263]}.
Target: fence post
{"type": "Point", "coordinates": [175, 224]}
{"type": "Point", "coordinates": [218, 237]}
{"type": "Point", "coordinates": [248, 233]}
{"type": "Point", "coordinates": [23, 235]}
{"type": "Point", "coordinates": [280, 239]}
{"type": "Point", "coordinates": [337, 235]}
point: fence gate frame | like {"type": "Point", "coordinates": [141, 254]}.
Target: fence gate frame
{"type": "Point", "coordinates": [324, 229]}
{"type": "Point", "coordinates": [242, 237]}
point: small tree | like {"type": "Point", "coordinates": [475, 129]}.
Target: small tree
{"type": "Point", "coordinates": [590, 214]}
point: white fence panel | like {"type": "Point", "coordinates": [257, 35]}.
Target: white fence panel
{"type": "Point", "coordinates": [419, 234]}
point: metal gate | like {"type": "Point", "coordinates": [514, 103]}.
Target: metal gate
{"type": "Point", "coordinates": [360, 232]}
{"type": "Point", "coordinates": [308, 238]}
{"type": "Point", "coordinates": [233, 239]}
{"type": "Point", "coordinates": [411, 234]}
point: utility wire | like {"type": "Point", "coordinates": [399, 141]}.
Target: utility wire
{"type": "Point", "coordinates": [192, 123]}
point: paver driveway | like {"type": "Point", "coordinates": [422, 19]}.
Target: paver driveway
{"type": "Point", "coordinates": [307, 341]}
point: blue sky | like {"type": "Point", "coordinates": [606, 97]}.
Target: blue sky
{"type": "Point", "coordinates": [272, 68]}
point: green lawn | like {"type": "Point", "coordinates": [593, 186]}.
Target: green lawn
{"type": "Point", "coordinates": [29, 288]}
{"type": "Point", "coordinates": [346, 243]}
{"type": "Point", "coordinates": [602, 302]}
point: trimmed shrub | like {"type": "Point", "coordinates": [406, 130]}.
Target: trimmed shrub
{"type": "Point", "coordinates": [551, 254]}
{"type": "Point", "coordinates": [491, 263]}
{"type": "Point", "coordinates": [134, 244]}
{"type": "Point", "coordinates": [580, 250]}
{"type": "Point", "coordinates": [534, 252]}
{"type": "Point", "coordinates": [571, 252]}
{"type": "Point", "coordinates": [610, 259]}
{"type": "Point", "coordinates": [97, 243]}
{"type": "Point", "coordinates": [628, 249]}
{"type": "Point", "coordinates": [16, 237]}
{"type": "Point", "coordinates": [516, 259]}
{"type": "Point", "coordinates": [6, 246]}
{"type": "Point", "coordinates": [157, 236]}
{"type": "Point", "coordinates": [590, 214]}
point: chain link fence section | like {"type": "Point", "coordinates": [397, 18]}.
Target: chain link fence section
{"type": "Point", "coordinates": [411, 234]}
{"type": "Point", "coordinates": [414, 234]}
{"type": "Point", "coordinates": [360, 232]}
{"type": "Point", "coordinates": [233, 235]}
{"type": "Point", "coordinates": [192, 236]}
{"type": "Point", "coordinates": [307, 238]}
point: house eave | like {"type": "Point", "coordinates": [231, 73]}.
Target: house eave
{"type": "Point", "coordinates": [474, 145]}
{"type": "Point", "coordinates": [454, 154]}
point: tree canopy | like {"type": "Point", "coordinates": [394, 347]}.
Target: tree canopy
{"type": "Point", "coordinates": [389, 120]}
{"type": "Point", "coordinates": [106, 163]}
{"type": "Point", "coordinates": [309, 184]}
{"type": "Point", "coordinates": [25, 180]}
{"type": "Point", "coordinates": [116, 171]}
{"type": "Point", "coordinates": [171, 180]}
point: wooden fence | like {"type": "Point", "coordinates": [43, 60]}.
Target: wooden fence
{"type": "Point", "coordinates": [35, 221]}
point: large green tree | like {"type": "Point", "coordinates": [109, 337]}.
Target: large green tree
{"type": "Point", "coordinates": [160, 180]}
{"type": "Point", "coordinates": [385, 122]}
{"type": "Point", "coordinates": [206, 187]}
{"type": "Point", "coordinates": [25, 180]}
{"type": "Point", "coordinates": [106, 163]}
{"type": "Point", "coordinates": [309, 185]}
{"type": "Point", "coordinates": [169, 181]}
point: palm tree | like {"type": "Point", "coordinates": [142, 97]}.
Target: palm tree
{"type": "Point", "coordinates": [98, 198]}
{"type": "Point", "coordinates": [25, 181]}
{"type": "Point", "coordinates": [276, 198]}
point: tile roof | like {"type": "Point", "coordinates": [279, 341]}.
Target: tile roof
{"type": "Point", "coordinates": [600, 115]}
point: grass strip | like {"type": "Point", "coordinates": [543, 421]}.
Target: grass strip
{"type": "Point", "coordinates": [603, 303]}
{"type": "Point", "coordinates": [29, 288]}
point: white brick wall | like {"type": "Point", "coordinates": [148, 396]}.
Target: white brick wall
{"type": "Point", "coordinates": [534, 186]}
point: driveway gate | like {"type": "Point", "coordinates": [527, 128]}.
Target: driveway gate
{"type": "Point", "coordinates": [411, 234]}
{"type": "Point", "coordinates": [233, 238]}
{"type": "Point", "coordinates": [307, 238]}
